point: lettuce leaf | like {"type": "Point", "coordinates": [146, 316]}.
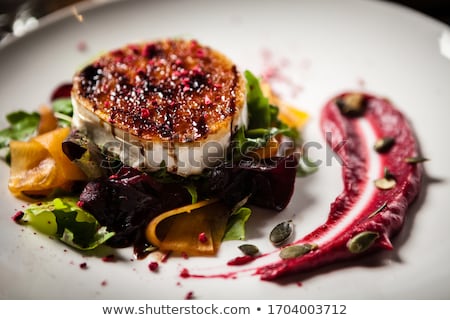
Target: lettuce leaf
{"type": "Point", "coordinates": [64, 219]}
{"type": "Point", "coordinates": [236, 224]}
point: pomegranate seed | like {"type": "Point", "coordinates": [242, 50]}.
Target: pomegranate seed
{"type": "Point", "coordinates": [145, 113]}
{"type": "Point", "coordinates": [141, 71]}
{"type": "Point", "coordinates": [207, 101]}
{"type": "Point", "coordinates": [194, 43]}
{"type": "Point", "coordinates": [202, 237]}
{"type": "Point", "coordinates": [197, 70]}
{"type": "Point", "coordinates": [18, 216]}
{"type": "Point", "coordinates": [128, 59]}
{"type": "Point", "coordinates": [80, 203]}
{"type": "Point", "coordinates": [134, 48]}
{"type": "Point", "coordinates": [166, 257]}
{"type": "Point", "coordinates": [83, 266]}
{"type": "Point", "coordinates": [153, 266]}
{"type": "Point", "coordinates": [185, 81]}
{"type": "Point", "coordinates": [189, 295]}
{"type": "Point", "coordinates": [201, 53]}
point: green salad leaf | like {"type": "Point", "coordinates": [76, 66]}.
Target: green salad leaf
{"type": "Point", "coordinates": [259, 109]}
{"type": "Point", "coordinates": [192, 189]}
{"type": "Point", "coordinates": [64, 219]}
{"type": "Point", "coordinates": [22, 125]}
{"type": "Point", "coordinates": [63, 111]}
{"type": "Point", "coordinates": [236, 224]}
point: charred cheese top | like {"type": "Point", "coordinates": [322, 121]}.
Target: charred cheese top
{"type": "Point", "coordinates": [167, 90]}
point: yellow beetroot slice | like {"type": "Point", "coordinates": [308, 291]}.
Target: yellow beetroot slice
{"type": "Point", "coordinates": [52, 141]}
{"type": "Point", "coordinates": [195, 229]}
{"type": "Point", "coordinates": [48, 121]}
{"type": "Point", "coordinates": [33, 170]}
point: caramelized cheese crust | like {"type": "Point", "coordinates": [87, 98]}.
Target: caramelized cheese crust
{"type": "Point", "coordinates": [168, 90]}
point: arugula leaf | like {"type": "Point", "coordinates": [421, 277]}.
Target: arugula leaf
{"type": "Point", "coordinates": [236, 224]}
{"type": "Point", "coordinates": [263, 122]}
{"type": "Point", "coordinates": [64, 106]}
{"type": "Point", "coordinates": [63, 109]}
{"type": "Point", "coordinates": [192, 189]}
{"type": "Point", "coordinates": [260, 113]}
{"type": "Point", "coordinates": [63, 218]}
{"type": "Point", "coordinates": [22, 126]}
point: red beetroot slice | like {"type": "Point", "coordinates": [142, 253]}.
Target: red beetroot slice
{"type": "Point", "coordinates": [61, 92]}
{"type": "Point", "coordinates": [361, 207]}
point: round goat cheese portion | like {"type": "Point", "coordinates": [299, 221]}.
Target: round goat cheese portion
{"type": "Point", "coordinates": [173, 103]}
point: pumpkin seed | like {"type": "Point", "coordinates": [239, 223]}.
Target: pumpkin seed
{"type": "Point", "coordinates": [362, 241]}
{"type": "Point", "coordinates": [297, 250]}
{"type": "Point", "coordinates": [282, 233]}
{"type": "Point", "coordinates": [414, 160]}
{"type": "Point", "coordinates": [352, 105]}
{"type": "Point", "coordinates": [385, 184]}
{"type": "Point", "coordinates": [381, 208]}
{"type": "Point", "coordinates": [384, 144]}
{"type": "Point", "coordinates": [249, 250]}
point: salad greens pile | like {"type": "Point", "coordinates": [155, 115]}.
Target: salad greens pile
{"type": "Point", "coordinates": [23, 125]}
{"type": "Point", "coordinates": [263, 122]}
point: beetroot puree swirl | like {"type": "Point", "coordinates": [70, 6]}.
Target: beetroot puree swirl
{"type": "Point", "coordinates": [353, 210]}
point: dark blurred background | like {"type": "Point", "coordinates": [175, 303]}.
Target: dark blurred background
{"type": "Point", "coordinates": [26, 11]}
{"type": "Point", "coordinates": [439, 9]}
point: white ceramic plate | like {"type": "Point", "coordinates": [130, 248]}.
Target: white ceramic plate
{"type": "Point", "coordinates": [320, 48]}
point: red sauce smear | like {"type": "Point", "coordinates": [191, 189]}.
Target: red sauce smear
{"type": "Point", "coordinates": [238, 261]}
{"type": "Point", "coordinates": [186, 274]}
{"type": "Point", "coordinates": [386, 121]}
